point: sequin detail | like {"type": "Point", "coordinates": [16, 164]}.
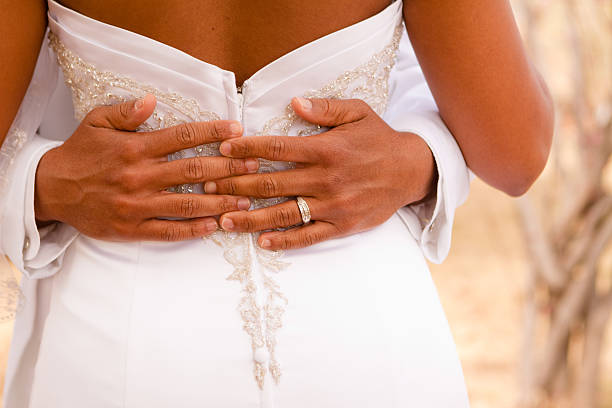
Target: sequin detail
{"type": "Point", "coordinates": [12, 145]}
{"type": "Point", "coordinates": [12, 299]}
{"type": "Point", "coordinates": [368, 82]}
{"type": "Point", "coordinates": [92, 88]}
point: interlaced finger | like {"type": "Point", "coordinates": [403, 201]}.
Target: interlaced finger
{"type": "Point", "coordinates": [300, 237]}
{"type": "Point", "coordinates": [170, 230]}
{"type": "Point", "coordinates": [267, 185]}
{"type": "Point", "coordinates": [186, 135]}
{"type": "Point", "coordinates": [280, 215]}
{"type": "Point", "coordinates": [193, 205]}
{"type": "Point", "coordinates": [276, 148]}
{"type": "Point", "coordinates": [199, 169]}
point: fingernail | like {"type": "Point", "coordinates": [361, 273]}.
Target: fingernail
{"type": "Point", "coordinates": [225, 149]}
{"type": "Point", "coordinates": [252, 165]}
{"type": "Point", "coordinates": [235, 128]}
{"type": "Point", "coordinates": [266, 243]}
{"type": "Point", "coordinates": [210, 187]}
{"type": "Point", "coordinates": [227, 224]}
{"type": "Point", "coordinates": [139, 104]}
{"type": "Point", "coordinates": [244, 203]}
{"type": "Point", "coordinates": [211, 225]}
{"type": "Point", "coordinates": [306, 104]}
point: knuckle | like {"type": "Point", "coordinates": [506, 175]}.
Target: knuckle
{"type": "Point", "coordinates": [123, 208]}
{"type": "Point", "coordinates": [216, 131]}
{"type": "Point", "coordinates": [282, 217]}
{"type": "Point", "coordinates": [284, 243]}
{"type": "Point", "coordinates": [227, 204]}
{"type": "Point", "coordinates": [170, 233]}
{"type": "Point", "coordinates": [194, 169]}
{"type": "Point", "coordinates": [194, 231]}
{"type": "Point", "coordinates": [186, 134]}
{"type": "Point", "coordinates": [361, 109]}
{"type": "Point", "coordinates": [360, 104]}
{"type": "Point", "coordinates": [94, 115]}
{"type": "Point", "coordinates": [227, 187]}
{"type": "Point", "coordinates": [132, 149]}
{"type": "Point", "coordinates": [267, 187]}
{"type": "Point", "coordinates": [127, 180]}
{"type": "Point", "coordinates": [277, 147]}
{"type": "Point", "coordinates": [231, 166]}
{"type": "Point", "coordinates": [250, 224]}
{"type": "Point", "coordinates": [327, 107]}
{"type": "Point", "coordinates": [310, 238]}
{"type": "Point", "coordinates": [187, 207]}
{"type": "Point", "coordinates": [124, 110]}
{"type": "Point", "coordinates": [333, 181]}
{"type": "Point", "coordinates": [117, 229]}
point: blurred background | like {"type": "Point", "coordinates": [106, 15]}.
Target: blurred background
{"type": "Point", "coordinates": [527, 287]}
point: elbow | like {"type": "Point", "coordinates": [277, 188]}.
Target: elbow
{"type": "Point", "coordinates": [532, 156]}
{"type": "Point", "coordinates": [523, 155]}
{"type": "Point", "coordinates": [522, 173]}
{"type": "Point", "coordinates": [521, 181]}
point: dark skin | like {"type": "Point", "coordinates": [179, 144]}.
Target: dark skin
{"type": "Point", "coordinates": [489, 95]}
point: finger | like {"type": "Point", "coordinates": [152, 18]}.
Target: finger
{"type": "Point", "coordinates": [330, 112]}
{"type": "Point", "coordinates": [277, 148]}
{"type": "Point", "coordinates": [191, 134]}
{"type": "Point", "coordinates": [281, 215]}
{"type": "Point", "coordinates": [166, 230]}
{"type": "Point", "coordinates": [199, 170]}
{"type": "Point", "coordinates": [123, 116]}
{"type": "Point", "coordinates": [267, 185]}
{"type": "Point", "coordinates": [193, 205]}
{"type": "Point", "coordinates": [300, 237]}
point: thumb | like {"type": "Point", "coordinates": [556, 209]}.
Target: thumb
{"type": "Point", "coordinates": [330, 112]}
{"type": "Point", "coordinates": [123, 116]}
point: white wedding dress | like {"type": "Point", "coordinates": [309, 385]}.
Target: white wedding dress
{"type": "Point", "coordinates": [218, 322]}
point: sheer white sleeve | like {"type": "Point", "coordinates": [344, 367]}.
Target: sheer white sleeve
{"type": "Point", "coordinates": [20, 239]}
{"type": "Point", "coordinates": [412, 109]}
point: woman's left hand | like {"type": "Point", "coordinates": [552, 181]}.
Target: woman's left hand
{"type": "Point", "coordinates": [353, 177]}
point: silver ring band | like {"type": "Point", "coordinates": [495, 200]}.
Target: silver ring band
{"type": "Point", "coordinates": [304, 210]}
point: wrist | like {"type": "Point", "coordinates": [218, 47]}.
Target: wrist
{"type": "Point", "coordinates": [43, 210]}
{"type": "Point", "coordinates": [423, 166]}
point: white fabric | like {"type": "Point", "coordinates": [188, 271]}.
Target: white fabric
{"type": "Point", "coordinates": [155, 324]}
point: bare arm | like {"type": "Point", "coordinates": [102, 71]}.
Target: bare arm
{"type": "Point", "coordinates": [489, 94]}
{"type": "Point", "coordinates": [21, 32]}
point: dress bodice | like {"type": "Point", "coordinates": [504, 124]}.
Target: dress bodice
{"type": "Point", "coordinates": [103, 64]}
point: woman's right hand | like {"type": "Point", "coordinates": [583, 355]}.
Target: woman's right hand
{"type": "Point", "coordinates": [110, 182]}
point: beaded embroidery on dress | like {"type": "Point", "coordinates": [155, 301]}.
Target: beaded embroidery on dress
{"type": "Point", "coordinates": [369, 81]}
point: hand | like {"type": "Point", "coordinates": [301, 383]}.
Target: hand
{"type": "Point", "coordinates": [110, 182]}
{"type": "Point", "coordinates": [353, 177]}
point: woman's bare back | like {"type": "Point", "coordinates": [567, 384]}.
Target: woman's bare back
{"type": "Point", "coordinates": [236, 35]}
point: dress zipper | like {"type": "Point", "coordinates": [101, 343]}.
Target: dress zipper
{"type": "Point", "coordinates": [240, 89]}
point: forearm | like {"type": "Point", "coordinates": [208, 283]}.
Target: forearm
{"type": "Point", "coordinates": [488, 93]}
{"type": "Point", "coordinates": [22, 29]}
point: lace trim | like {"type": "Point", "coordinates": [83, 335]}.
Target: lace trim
{"type": "Point", "coordinates": [12, 145]}
{"type": "Point", "coordinates": [368, 82]}
{"type": "Point", "coordinates": [92, 88]}
{"type": "Point", "coordinates": [12, 299]}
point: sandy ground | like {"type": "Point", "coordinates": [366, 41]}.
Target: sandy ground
{"type": "Point", "coordinates": [480, 286]}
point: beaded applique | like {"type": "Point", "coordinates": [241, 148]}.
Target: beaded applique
{"type": "Point", "coordinates": [12, 145]}
{"type": "Point", "coordinates": [12, 299]}
{"type": "Point", "coordinates": [92, 88]}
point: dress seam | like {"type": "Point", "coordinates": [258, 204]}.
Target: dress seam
{"type": "Point", "coordinates": [129, 326]}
